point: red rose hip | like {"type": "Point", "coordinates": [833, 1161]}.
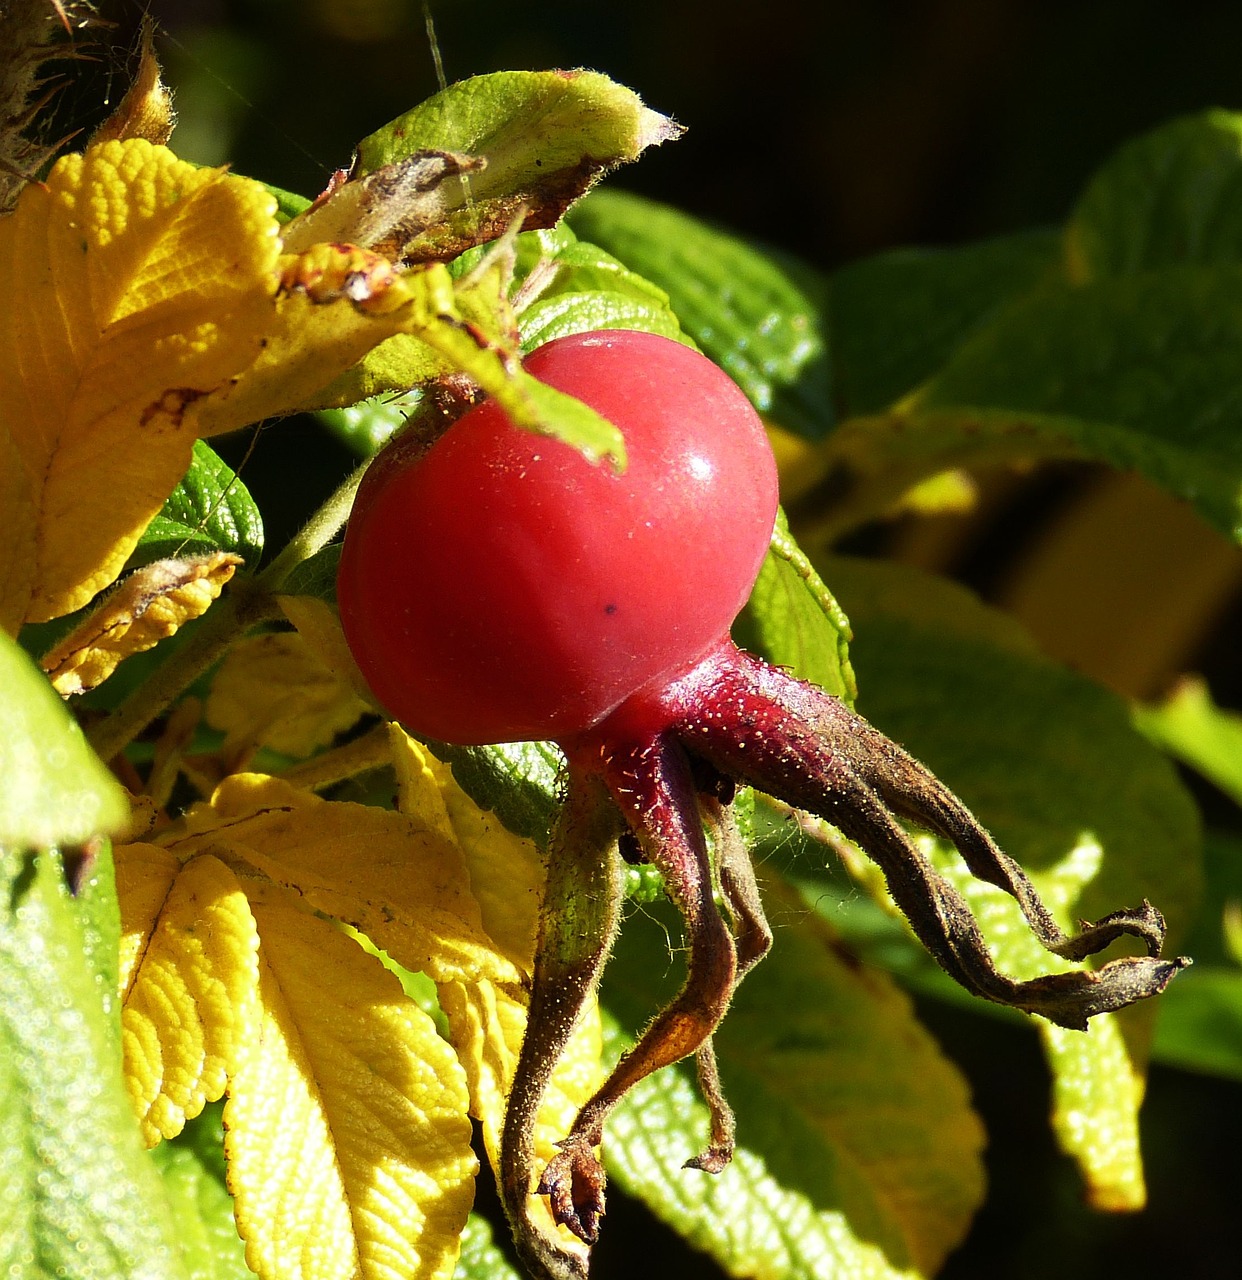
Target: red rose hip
{"type": "Point", "coordinates": [502, 587]}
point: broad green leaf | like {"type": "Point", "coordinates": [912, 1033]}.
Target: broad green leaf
{"type": "Point", "coordinates": [793, 620]}
{"type": "Point", "coordinates": [1138, 371]}
{"type": "Point", "coordinates": [545, 138]}
{"type": "Point", "coordinates": [193, 1169]}
{"type": "Point", "coordinates": [78, 1195]}
{"type": "Point", "coordinates": [897, 317]}
{"type": "Point", "coordinates": [56, 791]}
{"type": "Point", "coordinates": [1043, 756]}
{"type": "Point", "coordinates": [1193, 729]}
{"type": "Point", "coordinates": [1051, 765]}
{"type": "Point", "coordinates": [210, 510]}
{"type": "Point", "coordinates": [1169, 198]}
{"type": "Point", "coordinates": [758, 316]}
{"type": "Point", "coordinates": [858, 1151]}
{"type": "Point", "coordinates": [480, 1258]}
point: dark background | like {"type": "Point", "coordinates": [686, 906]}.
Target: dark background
{"type": "Point", "coordinates": [833, 129]}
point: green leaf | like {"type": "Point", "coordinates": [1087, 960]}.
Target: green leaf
{"type": "Point", "coordinates": [56, 791]}
{"type": "Point", "coordinates": [546, 137]}
{"type": "Point", "coordinates": [896, 318]}
{"type": "Point", "coordinates": [793, 620]}
{"type": "Point", "coordinates": [1193, 729]}
{"type": "Point", "coordinates": [315, 576]}
{"type": "Point", "coordinates": [367, 426]}
{"type": "Point", "coordinates": [1200, 1026]}
{"type": "Point", "coordinates": [1052, 766]}
{"type": "Point", "coordinates": [1140, 371]}
{"type": "Point", "coordinates": [192, 1165]}
{"type": "Point", "coordinates": [517, 781]}
{"type": "Point", "coordinates": [858, 1151]}
{"type": "Point", "coordinates": [78, 1195]}
{"type": "Point", "coordinates": [1167, 199]}
{"type": "Point", "coordinates": [755, 314]}
{"type": "Point", "coordinates": [209, 510]}
{"type": "Point", "coordinates": [480, 1258]}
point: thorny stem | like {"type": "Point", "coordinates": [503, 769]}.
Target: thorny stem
{"type": "Point", "coordinates": [245, 604]}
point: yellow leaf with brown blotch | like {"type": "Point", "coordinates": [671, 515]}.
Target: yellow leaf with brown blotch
{"type": "Point", "coordinates": [136, 285]}
{"type": "Point", "coordinates": [273, 691]}
{"type": "Point", "coordinates": [189, 981]}
{"type": "Point", "coordinates": [153, 603]}
{"type": "Point", "coordinates": [347, 1135]}
{"type": "Point", "coordinates": [404, 888]}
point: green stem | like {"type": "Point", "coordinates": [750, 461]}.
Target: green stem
{"type": "Point", "coordinates": [245, 605]}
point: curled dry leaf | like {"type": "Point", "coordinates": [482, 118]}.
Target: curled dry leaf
{"type": "Point", "coordinates": [153, 603]}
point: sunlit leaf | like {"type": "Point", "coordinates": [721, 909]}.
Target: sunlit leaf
{"type": "Point", "coordinates": [793, 620]}
{"type": "Point", "coordinates": [56, 791]}
{"type": "Point", "coordinates": [1050, 764]}
{"type": "Point", "coordinates": [480, 1258]}
{"type": "Point", "coordinates": [78, 1195]}
{"type": "Point", "coordinates": [1191, 727]}
{"type": "Point", "coordinates": [193, 1170]}
{"type": "Point", "coordinates": [858, 1152]}
{"type": "Point", "coordinates": [486, 1021]}
{"type": "Point", "coordinates": [346, 1131]}
{"type": "Point", "coordinates": [189, 981]}
{"type": "Point", "coordinates": [410, 893]}
{"type": "Point", "coordinates": [154, 602]}
{"type": "Point", "coordinates": [544, 138]}
{"type": "Point", "coordinates": [140, 285]}
{"type": "Point", "coordinates": [209, 510]}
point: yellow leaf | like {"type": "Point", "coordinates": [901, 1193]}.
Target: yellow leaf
{"type": "Point", "coordinates": [347, 1137]}
{"type": "Point", "coordinates": [189, 982]}
{"type": "Point", "coordinates": [506, 871]}
{"type": "Point", "coordinates": [487, 1027]}
{"type": "Point", "coordinates": [404, 888]}
{"type": "Point", "coordinates": [318, 624]}
{"type": "Point", "coordinates": [153, 603]}
{"type": "Point", "coordinates": [487, 1023]}
{"type": "Point", "coordinates": [273, 691]}
{"type": "Point", "coordinates": [135, 286]}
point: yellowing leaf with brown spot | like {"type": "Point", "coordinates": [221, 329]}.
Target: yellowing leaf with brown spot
{"type": "Point", "coordinates": [347, 1137]}
{"type": "Point", "coordinates": [152, 604]}
{"type": "Point", "coordinates": [135, 285]}
{"type": "Point", "coordinates": [273, 691]}
{"type": "Point", "coordinates": [189, 981]}
{"type": "Point", "coordinates": [404, 888]}
{"type": "Point", "coordinates": [487, 1023]}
